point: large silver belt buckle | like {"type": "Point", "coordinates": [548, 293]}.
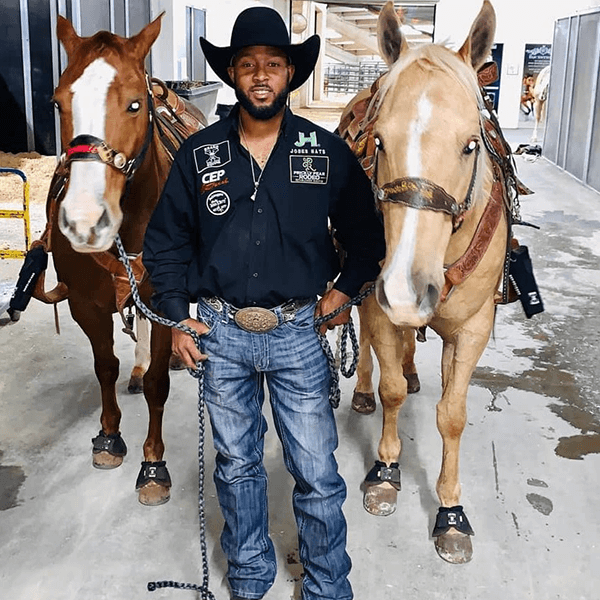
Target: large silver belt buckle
{"type": "Point", "coordinates": [256, 319]}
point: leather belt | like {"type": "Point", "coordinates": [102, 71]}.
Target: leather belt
{"type": "Point", "coordinates": [256, 319]}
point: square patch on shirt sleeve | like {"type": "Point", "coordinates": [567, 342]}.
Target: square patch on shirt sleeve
{"type": "Point", "coordinates": [309, 169]}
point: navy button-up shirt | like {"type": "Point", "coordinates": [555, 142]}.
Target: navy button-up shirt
{"type": "Point", "coordinates": [207, 237]}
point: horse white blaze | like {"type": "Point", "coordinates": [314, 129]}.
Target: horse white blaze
{"type": "Point", "coordinates": [83, 204]}
{"type": "Point", "coordinates": [402, 298]}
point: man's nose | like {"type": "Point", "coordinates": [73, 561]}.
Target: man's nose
{"type": "Point", "coordinates": [260, 73]}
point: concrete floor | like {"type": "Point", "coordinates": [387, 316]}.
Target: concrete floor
{"type": "Point", "coordinates": [530, 459]}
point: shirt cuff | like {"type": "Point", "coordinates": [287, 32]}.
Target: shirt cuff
{"type": "Point", "coordinates": [175, 309]}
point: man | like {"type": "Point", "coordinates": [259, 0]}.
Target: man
{"type": "Point", "coordinates": [242, 228]}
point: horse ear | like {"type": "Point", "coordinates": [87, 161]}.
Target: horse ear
{"type": "Point", "coordinates": [142, 42]}
{"type": "Point", "coordinates": [66, 34]}
{"type": "Point", "coordinates": [478, 44]}
{"type": "Point", "coordinates": [389, 37]}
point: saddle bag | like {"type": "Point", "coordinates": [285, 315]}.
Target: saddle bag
{"type": "Point", "coordinates": [523, 281]}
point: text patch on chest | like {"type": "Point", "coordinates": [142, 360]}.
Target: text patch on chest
{"type": "Point", "coordinates": [309, 169]}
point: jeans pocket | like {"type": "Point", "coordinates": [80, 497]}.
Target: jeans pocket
{"type": "Point", "coordinates": [304, 319]}
{"type": "Point", "coordinates": [209, 318]}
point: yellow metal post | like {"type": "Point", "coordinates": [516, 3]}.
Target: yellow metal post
{"type": "Point", "coordinates": [18, 214]}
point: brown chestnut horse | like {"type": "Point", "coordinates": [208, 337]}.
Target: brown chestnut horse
{"type": "Point", "coordinates": [109, 180]}
{"type": "Point", "coordinates": [442, 200]}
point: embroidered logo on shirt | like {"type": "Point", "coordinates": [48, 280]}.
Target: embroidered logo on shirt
{"type": "Point", "coordinates": [218, 203]}
{"type": "Point", "coordinates": [212, 180]}
{"type": "Point", "coordinates": [309, 169]}
{"type": "Point", "coordinates": [303, 139]}
{"type": "Point", "coordinates": [210, 156]}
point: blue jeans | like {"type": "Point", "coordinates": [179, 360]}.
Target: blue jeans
{"type": "Point", "coordinates": [294, 366]}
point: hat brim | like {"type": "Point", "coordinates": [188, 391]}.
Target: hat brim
{"type": "Point", "coordinates": [303, 56]}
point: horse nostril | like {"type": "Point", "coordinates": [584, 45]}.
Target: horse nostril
{"type": "Point", "coordinates": [63, 221]}
{"type": "Point", "coordinates": [433, 295]}
{"type": "Point", "coordinates": [381, 296]}
{"type": "Point", "coordinates": [429, 299]}
{"type": "Point", "coordinates": [103, 221]}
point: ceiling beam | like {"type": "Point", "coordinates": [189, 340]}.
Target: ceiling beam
{"type": "Point", "coordinates": [337, 53]}
{"type": "Point", "coordinates": [360, 36]}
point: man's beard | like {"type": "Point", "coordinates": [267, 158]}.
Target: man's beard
{"type": "Point", "coordinates": [264, 113]}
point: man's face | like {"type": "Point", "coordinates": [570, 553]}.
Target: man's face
{"type": "Point", "coordinates": [261, 75]}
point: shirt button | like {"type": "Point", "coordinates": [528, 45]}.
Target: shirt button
{"type": "Point", "coordinates": [255, 275]}
{"type": "Point", "coordinates": [257, 242]}
{"type": "Point", "coordinates": [259, 210]}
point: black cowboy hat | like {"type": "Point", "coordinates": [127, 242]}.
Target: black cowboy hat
{"type": "Point", "coordinates": [263, 26]}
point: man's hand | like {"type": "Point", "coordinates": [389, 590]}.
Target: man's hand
{"type": "Point", "coordinates": [332, 300]}
{"type": "Point", "coordinates": [182, 344]}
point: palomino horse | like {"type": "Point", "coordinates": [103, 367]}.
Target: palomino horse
{"type": "Point", "coordinates": [540, 95]}
{"type": "Point", "coordinates": [109, 180]}
{"type": "Point", "coordinates": [446, 228]}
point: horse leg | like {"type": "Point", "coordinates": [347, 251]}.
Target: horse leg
{"type": "Point", "coordinates": [142, 354]}
{"type": "Point", "coordinates": [153, 482]}
{"type": "Point", "coordinates": [363, 399]}
{"type": "Point", "coordinates": [536, 117]}
{"type": "Point", "coordinates": [109, 448]}
{"type": "Point", "coordinates": [389, 343]}
{"type": "Point", "coordinates": [461, 352]}
{"type": "Point", "coordinates": [408, 364]}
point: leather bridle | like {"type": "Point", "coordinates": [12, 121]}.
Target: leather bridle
{"type": "Point", "coordinates": [91, 148]}
{"type": "Point", "coordinates": [423, 194]}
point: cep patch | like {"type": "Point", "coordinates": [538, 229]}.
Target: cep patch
{"type": "Point", "coordinates": [309, 169]}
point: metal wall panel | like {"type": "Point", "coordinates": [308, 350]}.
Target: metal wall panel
{"type": "Point", "coordinates": [557, 88]}
{"type": "Point", "coordinates": [572, 139]}
{"type": "Point", "coordinates": [13, 133]}
{"type": "Point", "coordinates": [582, 104]}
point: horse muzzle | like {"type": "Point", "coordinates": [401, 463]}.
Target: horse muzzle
{"type": "Point", "coordinates": [90, 231]}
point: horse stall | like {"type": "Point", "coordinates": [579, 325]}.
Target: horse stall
{"type": "Point", "coordinates": [572, 137]}
{"type": "Point", "coordinates": [530, 449]}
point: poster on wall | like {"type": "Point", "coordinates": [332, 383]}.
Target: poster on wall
{"type": "Point", "coordinates": [493, 90]}
{"type": "Point", "coordinates": [537, 56]}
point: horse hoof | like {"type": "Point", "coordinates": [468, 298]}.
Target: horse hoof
{"type": "Point", "coordinates": [135, 386]}
{"type": "Point", "coordinates": [105, 460]}
{"type": "Point", "coordinates": [454, 547]}
{"type": "Point", "coordinates": [154, 494]}
{"type": "Point", "coordinates": [363, 403]}
{"type": "Point", "coordinates": [175, 363]}
{"type": "Point", "coordinates": [413, 383]}
{"type": "Point", "coordinates": [108, 450]}
{"type": "Point", "coordinates": [380, 500]}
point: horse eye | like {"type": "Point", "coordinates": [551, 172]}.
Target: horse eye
{"type": "Point", "coordinates": [378, 143]}
{"type": "Point", "coordinates": [134, 106]}
{"type": "Point", "coordinates": [470, 147]}
{"type": "Point", "coordinates": [56, 105]}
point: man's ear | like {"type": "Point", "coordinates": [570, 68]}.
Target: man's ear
{"type": "Point", "coordinates": [231, 73]}
{"type": "Point", "coordinates": [291, 71]}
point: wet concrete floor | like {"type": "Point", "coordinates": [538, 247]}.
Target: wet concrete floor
{"type": "Point", "coordinates": [530, 458]}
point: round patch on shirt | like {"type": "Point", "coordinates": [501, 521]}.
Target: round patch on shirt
{"type": "Point", "coordinates": [218, 203]}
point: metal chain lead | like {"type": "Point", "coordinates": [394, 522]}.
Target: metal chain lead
{"type": "Point", "coordinates": [198, 373]}
{"type": "Point", "coordinates": [348, 329]}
